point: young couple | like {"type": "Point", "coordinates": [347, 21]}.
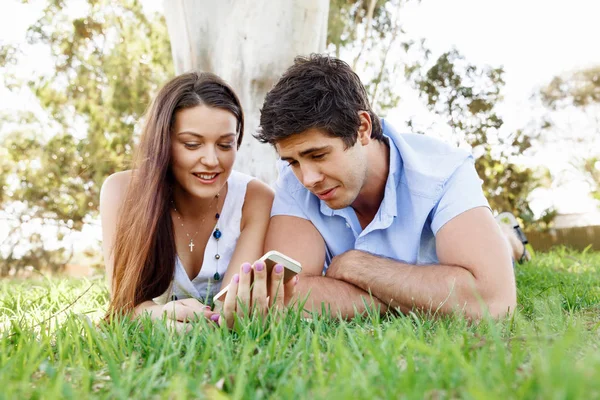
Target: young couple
{"type": "Point", "coordinates": [373, 216]}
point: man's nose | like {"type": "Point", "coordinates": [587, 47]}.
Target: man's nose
{"type": "Point", "coordinates": [311, 176]}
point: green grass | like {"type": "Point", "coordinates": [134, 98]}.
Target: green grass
{"type": "Point", "coordinates": [547, 350]}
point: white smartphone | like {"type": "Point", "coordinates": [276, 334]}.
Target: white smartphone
{"type": "Point", "coordinates": [291, 268]}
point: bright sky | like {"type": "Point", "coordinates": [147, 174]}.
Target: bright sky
{"type": "Point", "coordinates": [533, 39]}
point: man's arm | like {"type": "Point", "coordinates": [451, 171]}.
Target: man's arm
{"type": "Point", "coordinates": [299, 239]}
{"type": "Point", "coordinates": [475, 274]}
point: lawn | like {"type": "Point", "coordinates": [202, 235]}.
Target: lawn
{"type": "Point", "coordinates": [52, 345]}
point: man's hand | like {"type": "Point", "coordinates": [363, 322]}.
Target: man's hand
{"type": "Point", "coordinates": [474, 275]}
{"type": "Point", "coordinates": [342, 266]}
{"type": "Point", "coordinates": [293, 236]}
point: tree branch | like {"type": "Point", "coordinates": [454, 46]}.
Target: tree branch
{"type": "Point", "coordinates": [383, 61]}
{"type": "Point", "coordinates": [370, 11]}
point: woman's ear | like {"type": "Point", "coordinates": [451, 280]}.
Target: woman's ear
{"type": "Point", "coordinates": [365, 128]}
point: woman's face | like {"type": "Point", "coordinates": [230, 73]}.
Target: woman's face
{"type": "Point", "coordinates": [203, 149]}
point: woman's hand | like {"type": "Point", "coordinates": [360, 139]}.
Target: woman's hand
{"type": "Point", "coordinates": [250, 292]}
{"type": "Point", "coordinates": [177, 312]}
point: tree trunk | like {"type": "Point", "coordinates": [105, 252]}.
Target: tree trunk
{"type": "Point", "coordinates": [249, 43]}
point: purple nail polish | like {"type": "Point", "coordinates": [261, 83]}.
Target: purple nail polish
{"type": "Point", "coordinates": [214, 317]}
{"type": "Point", "coordinates": [259, 266]}
{"type": "Point", "coordinates": [236, 278]}
{"type": "Point", "coordinates": [278, 268]}
{"type": "Point", "coordinates": [246, 267]}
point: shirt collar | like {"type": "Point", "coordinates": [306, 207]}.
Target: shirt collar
{"type": "Point", "coordinates": [389, 207]}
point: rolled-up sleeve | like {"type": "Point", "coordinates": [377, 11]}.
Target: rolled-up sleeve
{"type": "Point", "coordinates": [461, 192]}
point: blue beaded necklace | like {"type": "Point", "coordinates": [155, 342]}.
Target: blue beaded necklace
{"type": "Point", "coordinates": [217, 235]}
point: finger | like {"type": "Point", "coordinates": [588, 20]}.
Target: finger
{"type": "Point", "coordinates": [192, 302]}
{"type": "Point", "coordinates": [243, 302]}
{"type": "Point", "coordinates": [176, 311]}
{"type": "Point", "coordinates": [196, 308]}
{"type": "Point", "coordinates": [204, 312]}
{"type": "Point", "coordinates": [290, 290]}
{"type": "Point", "coordinates": [179, 327]}
{"type": "Point", "coordinates": [216, 318]}
{"type": "Point", "coordinates": [259, 288]}
{"type": "Point", "coordinates": [227, 316]}
{"type": "Point", "coordinates": [218, 306]}
{"type": "Point", "coordinates": [179, 311]}
{"type": "Point", "coordinates": [277, 287]}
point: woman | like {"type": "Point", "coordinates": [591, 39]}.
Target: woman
{"type": "Point", "coordinates": [182, 221]}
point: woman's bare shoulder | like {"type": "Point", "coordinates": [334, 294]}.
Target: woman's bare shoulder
{"type": "Point", "coordinates": [257, 203]}
{"type": "Point", "coordinates": [258, 191]}
{"type": "Point", "coordinates": [114, 188]}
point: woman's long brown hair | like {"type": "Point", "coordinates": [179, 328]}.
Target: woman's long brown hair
{"type": "Point", "coordinates": [144, 249]}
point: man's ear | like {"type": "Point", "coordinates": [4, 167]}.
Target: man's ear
{"type": "Point", "coordinates": [365, 128]}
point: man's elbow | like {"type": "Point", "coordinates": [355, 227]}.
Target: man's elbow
{"type": "Point", "coordinates": [495, 298]}
{"type": "Point", "coordinates": [496, 308]}
{"type": "Point", "coordinates": [502, 307]}
{"type": "Point", "coordinates": [503, 301]}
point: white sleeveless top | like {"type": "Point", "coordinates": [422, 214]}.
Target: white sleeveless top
{"type": "Point", "coordinates": [203, 287]}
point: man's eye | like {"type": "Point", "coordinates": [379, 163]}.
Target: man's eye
{"type": "Point", "coordinates": [318, 156]}
{"type": "Point", "coordinates": [292, 163]}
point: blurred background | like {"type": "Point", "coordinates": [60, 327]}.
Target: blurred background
{"type": "Point", "coordinates": [516, 81]}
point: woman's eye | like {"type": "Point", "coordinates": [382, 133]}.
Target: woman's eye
{"type": "Point", "coordinates": [191, 145]}
{"type": "Point", "coordinates": [226, 146]}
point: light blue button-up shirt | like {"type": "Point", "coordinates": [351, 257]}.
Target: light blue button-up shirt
{"type": "Point", "coordinates": [429, 183]}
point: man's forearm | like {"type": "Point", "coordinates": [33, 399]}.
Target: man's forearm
{"type": "Point", "coordinates": [431, 288]}
{"type": "Point", "coordinates": [335, 296]}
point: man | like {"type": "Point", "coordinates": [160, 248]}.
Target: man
{"type": "Point", "coordinates": [372, 215]}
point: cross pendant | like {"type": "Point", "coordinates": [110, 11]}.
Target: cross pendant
{"type": "Point", "coordinates": [191, 245]}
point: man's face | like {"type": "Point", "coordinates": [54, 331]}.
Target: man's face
{"type": "Point", "coordinates": [320, 162]}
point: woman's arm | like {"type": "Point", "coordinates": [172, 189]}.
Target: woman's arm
{"type": "Point", "coordinates": [112, 196]}
{"type": "Point", "coordinates": [253, 226]}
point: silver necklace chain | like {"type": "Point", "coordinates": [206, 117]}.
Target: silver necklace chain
{"type": "Point", "coordinates": [191, 244]}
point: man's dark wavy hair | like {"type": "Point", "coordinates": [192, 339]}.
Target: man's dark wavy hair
{"type": "Point", "coordinates": [317, 92]}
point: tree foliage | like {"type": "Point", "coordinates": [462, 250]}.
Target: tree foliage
{"type": "Point", "coordinates": [466, 96]}
{"type": "Point", "coordinates": [365, 33]}
{"type": "Point", "coordinates": [109, 61]}
{"type": "Point", "coordinates": [579, 89]}
{"type": "Point", "coordinates": [591, 168]}
{"type": "Point", "coordinates": [107, 65]}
